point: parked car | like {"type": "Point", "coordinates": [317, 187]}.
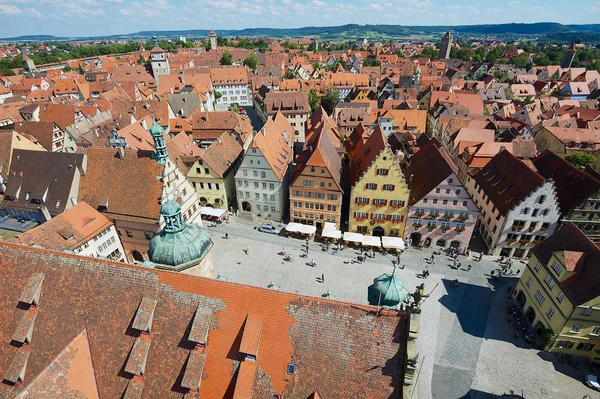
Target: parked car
{"type": "Point", "coordinates": [592, 382]}
{"type": "Point", "coordinates": [269, 228]}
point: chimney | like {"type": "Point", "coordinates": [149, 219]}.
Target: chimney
{"type": "Point", "coordinates": [121, 153]}
{"type": "Point", "coordinates": [502, 148]}
{"type": "Point", "coordinates": [182, 78]}
{"type": "Point", "coordinates": [144, 124]}
{"type": "Point", "coordinates": [220, 140]}
{"type": "Point", "coordinates": [206, 115]}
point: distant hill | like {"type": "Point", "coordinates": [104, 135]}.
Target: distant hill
{"type": "Point", "coordinates": [350, 31]}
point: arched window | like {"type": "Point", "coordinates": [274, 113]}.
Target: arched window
{"type": "Point", "coordinates": [545, 212]}
{"type": "Point", "coordinates": [525, 211]}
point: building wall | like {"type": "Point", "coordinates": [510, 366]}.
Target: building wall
{"type": "Point", "coordinates": [234, 93]}
{"type": "Point", "coordinates": [258, 187]}
{"type": "Point", "coordinates": [178, 188]}
{"type": "Point", "coordinates": [211, 189]}
{"type": "Point", "coordinates": [452, 198]}
{"type": "Point", "coordinates": [135, 236]}
{"type": "Point", "coordinates": [362, 213]}
{"type": "Point", "coordinates": [496, 229]}
{"type": "Point", "coordinates": [552, 309]}
{"type": "Point", "coordinates": [323, 193]}
{"type": "Point", "coordinates": [105, 244]}
{"type": "Point", "coordinates": [587, 217]}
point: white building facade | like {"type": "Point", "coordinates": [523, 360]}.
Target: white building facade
{"type": "Point", "coordinates": [105, 244]}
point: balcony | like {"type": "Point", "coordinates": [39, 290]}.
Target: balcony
{"type": "Point", "coordinates": [434, 215]}
{"type": "Point", "coordinates": [517, 228]}
{"type": "Point", "coordinates": [417, 225]}
{"type": "Point", "coordinates": [531, 229]}
{"type": "Point", "coordinates": [524, 242]}
{"type": "Point", "coordinates": [510, 240]}
{"type": "Point", "coordinates": [447, 217]}
{"type": "Point", "coordinates": [460, 229]}
{"type": "Point", "coordinates": [419, 214]}
{"type": "Point", "coordinates": [463, 217]}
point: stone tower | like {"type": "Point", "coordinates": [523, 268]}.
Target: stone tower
{"type": "Point", "coordinates": [568, 56]}
{"type": "Point", "coordinates": [158, 61]}
{"type": "Point", "coordinates": [315, 44]}
{"type": "Point", "coordinates": [212, 38]}
{"type": "Point", "coordinates": [28, 64]}
{"type": "Point", "coordinates": [445, 46]}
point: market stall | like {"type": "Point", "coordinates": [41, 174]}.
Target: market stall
{"type": "Point", "coordinates": [371, 241]}
{"type": "Point", "coordinates": [393, 242]}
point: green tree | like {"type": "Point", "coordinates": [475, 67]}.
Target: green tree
{"type": "Point", "coordinates": [313, 99]}
{"type": "Point", "coordinates": [428, 52]}
{"type": "Point", "coordinates": [142, 60]}
{"type": "Point", "coordinates": [289, 75]}
{"type": "Point", "coordinates": [329, 100]}
{"type": "Point", "coordinates": [541, 60]}
{"type": "Point", "coordinates": [251, 61]}
{"type": "Point", "coordinates": [226, 59]}
{"type": "Point", "coordinates": [367, 63]}
{"type": "Point", "coordinates": [67, 68]}
{"type": "Point", "coordinates": [580, 159]}
{"type": "Point", "coordinates": [188, 44]}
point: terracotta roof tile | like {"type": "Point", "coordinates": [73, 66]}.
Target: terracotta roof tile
{"type": "Point", "coordinates": [222, 154]}
{"type": "Point", "coordinates": [194, 369]}
{"type": "Point", "coordinates": [273, 141]}
{"type": "Point", "coordinates": [427, 169]}
{"type": "Point", "coordinates": [251, 336]}
{"type": "Point", "coordinates": [507, 181]}
{"type": "Point", "coordinates": [109, 178]}
{"type": "Point", "coordinates": [103, 296]}
{"type": "Point", "coordinates": [68, 230]}
{"type": "Point", "coordinates": [581, 257]}
{"type": "Point", "coordinates": [244, 383]}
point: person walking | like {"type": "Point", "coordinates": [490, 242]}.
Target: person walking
{"type": "Point", "coordinates": [468, 268]}
{"type": "Point", "coordinates": [322, 278]}
{"type": "Point", "coordinates": [432, 259]}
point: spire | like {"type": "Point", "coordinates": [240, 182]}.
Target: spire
{"type": "Point", "coordinates": [159, 142]}
{"type": "Point", "coordinates": [155, 40]}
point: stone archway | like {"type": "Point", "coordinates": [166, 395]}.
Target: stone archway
{"type": "Point", "coordinates": [415, 239]}
{"type": "Point", "coordinates": [455, 244]}
{"type": "Point", "coordinates": [246, 207]}
{"type": "Point", "coordinates": [530, 315]}
{"type": "Point", "coordinates": [137, 256]}
{"type": "Point", "coordinates": [378, 231]}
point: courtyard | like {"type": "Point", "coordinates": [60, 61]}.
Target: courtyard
{"type": "Point", "coordinates": [465, 344]}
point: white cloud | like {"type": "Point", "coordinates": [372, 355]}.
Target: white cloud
{"type": "Point", "coordinates": [375, 6]}
{"type": "Point", "coordinates": [318, 3]}
{"type": "Point", "coordinates": [9, 9]}
{"type": "Point", "coordinates": [34, 13]}
{"type": "Point", "coordinates": [286, 1]}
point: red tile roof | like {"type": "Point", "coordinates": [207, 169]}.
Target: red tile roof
{"type": "Point", "coordinates": [507, 181]}
{"type": "Point", "coordinates": [330, 343]}
{"type": "Point", "coordinates": [581, 257]}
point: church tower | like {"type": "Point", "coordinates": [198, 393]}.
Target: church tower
{"type": "Point", "coordinates": [158, 61]}
{"type": "Point", "coordinates": [568, 56]}
{"type": "Point", "coordinates": [212, 38]}
{"type": "Point", "coordinates": [445, 46]}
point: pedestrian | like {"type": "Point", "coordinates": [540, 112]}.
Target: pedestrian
{"type": "Point", "coordinates": [247, 249]}
{"type": "Point", "coordinates": [432, 259]}
{"type": "Point", "coordinates": [322, 278]}
{"type": "Point", "coordinates": [312, 262]}
{"type": "Point", "coordinates": [398, 258]}
{"type": "Point", "coordinates": [492, 273]}
{"type": "Point", "coordinates": [468, 268]}
{"type": "Point", "coordinates": [459, 265]}
{"type": "Point", "coordinates": [454, 261]}
{"type": "Point", "coordinates": [518, 270]}
{"type": "Point", "coordinates": [226, 235]}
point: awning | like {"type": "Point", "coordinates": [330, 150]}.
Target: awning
{"type": "Point", "coordinates": [293, 227]}
{"type": "Point", "coordinates": [329, 226]}
{"type": "Point", "coordinates": [306, 229]}
{"type": "Point", "coordinates": [353, 237]}
{"type": "Point", "coordinates": [331, 234]}
{"type": "Point", "coordinates": [208, 211]}
{"type": "Point", "coordinates": [393, 242]}
{"type": "Point", "coordinates": [372, 241]}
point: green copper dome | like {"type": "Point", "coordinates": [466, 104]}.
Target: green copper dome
{"type": "Point", "coordinates": [389, 291]}
{"type": "Point", "coordinates": [156, 129]}
{"type": "Point", "coordinates": [178, 243]}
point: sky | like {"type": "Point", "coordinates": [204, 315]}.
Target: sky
{"type": "Point", "coordinates": [103, 17]}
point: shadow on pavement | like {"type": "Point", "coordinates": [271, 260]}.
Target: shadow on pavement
{"type": "Point", "coordinates": [476, 394]}
{"type": "Point", "coordinates": [567, 369]}
{"type": "Point", "coordinates": [474, 305]}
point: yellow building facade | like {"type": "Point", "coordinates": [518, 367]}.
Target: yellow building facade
{"type": "Point", "coordinates": [379, 196]}
{"type": "Point", "coordinates": [559, 295]}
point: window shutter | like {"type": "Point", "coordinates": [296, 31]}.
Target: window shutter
{"type": "Point", "coordinates": [377, 172]}
{"type": "Point", "coordinates": [356, 200]}
{"type": "Point", "coordinates": [402, 218]}
{"type": "Point", "coordinates": [393, 187]}
{"type": "Point", "coordinates": [389, 217]}
{"type": "Point", "coordinates": [375, 187]}
{"type": "Point", "coordinates": [367, 186]}
{"type": "Point", "coordinates": [355, 215]}
{"type": "Point", "coordinates": [385, 203]}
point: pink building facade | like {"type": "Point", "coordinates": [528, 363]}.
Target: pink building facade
{"type": "Point", "coordinates": [444, 217]}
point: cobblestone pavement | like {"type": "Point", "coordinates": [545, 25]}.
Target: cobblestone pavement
{"type": "Point", "coordinates": [465, 343]}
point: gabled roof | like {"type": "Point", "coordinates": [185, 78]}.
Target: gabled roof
{"type": "Point", "coordinates": [47, 176]}
{"type": "Point", "coordinates": [128, 186]}
{"type": "Point", "coordinates": [68, 230]}
{"type": "Point", "coordinates": [430, 166]}
{"type": "Point", "coordinates": [103, 297]}
{"type": "Point", "coordinates": [222, 154]}
{"type": "Point", "coordinates": [581, 257]}
{"type": "Point", "coordinates": [273, 141]}
{"type": "Point", "coordinates": [365, 157]}
{"type": "Point", "coordinates": [573, 185]}
{"type": "Point", "coordinates": [61, 114]}
{"type": "Point", "coordinates": [507, 181]}
{"type": "Point", "coordinates": [42, 131]}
